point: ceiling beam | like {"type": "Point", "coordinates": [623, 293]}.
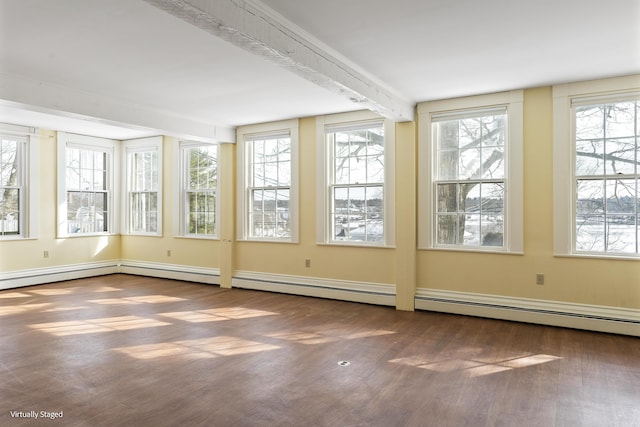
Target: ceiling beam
{"type": "Point", "coordinates": [259, 30]}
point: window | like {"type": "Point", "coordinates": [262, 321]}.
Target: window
{"type": "Point", "coordinates": [198, 200]}
{"type": "Point", "coordinates": [86, 180]}
{"type": "Point", "coordinates": [269, 182]}
{"type": "Point", "coordinates": [143, 186]}
{"type": "Point", "coordinates": [470, 173]}
{"type": "Point", "coordinates": [601, 140]}
{"type": "Point", "coordinates": [12, 185]}
{"type": "Point", "coordinates": [357, 191]}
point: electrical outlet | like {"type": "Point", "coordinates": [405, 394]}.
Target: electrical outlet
{"type": "Point", "coordinates": [46, 254]}
{"type": "Point", "coordinates": [307, 263]}
{"type": "Point", "coordinates": [168, 252]}
{"type": "Point", "coordinates": [539, 279]}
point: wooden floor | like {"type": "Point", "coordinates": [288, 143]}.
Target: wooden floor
{"type": "Point", "coordinates": [133, 351]}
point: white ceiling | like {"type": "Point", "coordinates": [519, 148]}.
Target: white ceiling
{"type": "Point", "coordinates": [125, 68]}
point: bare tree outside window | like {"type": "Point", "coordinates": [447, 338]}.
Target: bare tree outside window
{"type": "Point", "coordinates": [10, 187]}
{"type": "Point", "coordinates": [607, 170]}
{"type": "Point", "coordinates": [357, 184]}
{"type": "Point", "coordinates": [470, 180]}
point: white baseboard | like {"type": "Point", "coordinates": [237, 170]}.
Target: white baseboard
{"type": "Point", "coordinates": [345, 290]}
{"type": "Point", "coordinates": [170, 271]}
{"type": "Point", "coordinates": [617, 320]}
{"type": "Point", "coordinates": [38, 276]}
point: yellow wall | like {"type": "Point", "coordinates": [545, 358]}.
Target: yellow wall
{"type": "Point", "coordinates": [29, 254]}
{"type": "Point", "coordinates": [588, 281]}
{"type": "Point", "coordinates": [585, 281]}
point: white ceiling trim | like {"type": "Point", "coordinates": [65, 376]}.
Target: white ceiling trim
{"type": "Point", "coordinates": [262, 32]}
{"type": "Point", "coordinates": [72, 103]}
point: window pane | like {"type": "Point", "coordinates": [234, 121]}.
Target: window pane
{"type": "Point", "coordinates": [8, 162]}
{"type": "Point", "coordinates": [271, 174]}
{"type": "Point", "coordinates": [492, 230]}
{"type": "Point", "coordinates": [589, 157]}
{"type": "Point", "coordinates": [447, 198]}
{"type": "Point", "coordinates": [447, 135]}
{"type": "Point", "coordinates": [470, 197]}
{"type": "Point", "coordinates": [621, 196]}
{"type": "Point", "coordinates": [492, 198]}
{"type": "Point", "coordinates": [469, 230]}
{"type": "Point", "coordinates": [342, 170]}
{"type": "Point", "coordinates": [9, 211]}
{"type": "Point", "coordinates": [590, 123]}
{"type": "Point", "coordinates": [470, 133]}
{"type": "Point", "coordinates": [375, 169]}
{"type": "Point", "coordinates": [86, 212]}
{"type": "Point", "coordinates": [493, 163]}
{"type": "Point", "coordinates": [284, 173]}
{"type": "Point", "coordinates": [448, 164]}
{"type": "Point", "coordinates": [621, 156]}
{"type": "Point", "coordinates": [469, 164]}
{"type": "Point", "coordinates": [590, 233]}
{"type": "Point", "coordinates": [447, 229]}
{"type": "Point", "coordinates": [590, 197]}
{"type": "Point", "coordinates": [620, 120]}
{"type": "Point", "coordinates": [493, 133]}
{"type": "Point", "coordinates": [621, 235]}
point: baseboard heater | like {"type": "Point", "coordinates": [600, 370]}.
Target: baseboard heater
{"type": "Point", "coordinates": [370, 293]}
{"type": "Point", "coordinates": [601, 319]}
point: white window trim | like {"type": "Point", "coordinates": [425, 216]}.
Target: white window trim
{"type": "Point", "coordinates": [513, 101]}
{"type": "Point", "coordinates": [180, 185]}
{"type": "Point", "coordinates": [130, 146]}
{"type": "Point", "coordinates": [113, 148]}
{"type": "Point", "coordinates": [290, 127]}
{"type": "Point", "coordinates": [29, 206]}
{"type": "Point", "coordinates": [564, 157]}
{"type": "Point", "coordinates": [323, 220]}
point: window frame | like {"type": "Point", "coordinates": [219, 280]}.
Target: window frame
{"type": "Point", "coordinates": [245, 136]}
{"type": "Point", "coordinates": [512, 102]}
{"type": "Point", "coordinates": [130, 148]}
{"type": "Point", "coordinates": [326, 179]}
{"type": "Point", "coordinates": [28, 151]}
{"type": "Point", "coordinates": [565, 98]}
{"type": "Point", "coordinates": [112, 150]}
{"type": "Point", "coordinates": [181, 218]}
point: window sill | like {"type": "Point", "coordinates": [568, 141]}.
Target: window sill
{"type": "Point", "coordinates": [196, 237]}
{"type": "Point", "coordinates": [602, 256]}
{"type": "Point", "coordinates": [356, 245]}
{"type": "Point", "coordinates": [471, 250]}
{"type": "Point", "coordinates": [286, 241]}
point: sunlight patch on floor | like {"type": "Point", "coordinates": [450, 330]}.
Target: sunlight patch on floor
{"type": "Point", "coordinates": [90, 326]}
{"type": "Point", "coordinates": [217, 314]}
{"type": "Point", "coordinates": [332, 334]}
{"type": "Point", "coordinates": [15, 309]}
{"type": "Point", "coordinates": [144, 299]}
{"type": "Point", "coordinates": [203, 348]}
{"type": "Point", "coordinates": [474, 368]}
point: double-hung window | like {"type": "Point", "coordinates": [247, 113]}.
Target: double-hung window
{"type": "Point", "coordinates": [13, 165]}
{"type": "Point", "coordinates": [86, 183]}
{"type": "Point", "coordinates": [199, 190]}
{"type": "Point", "coordinates": [600, 143]}
{"type": "Point", "coordinates": [470, 173]}
{"type": "Point", "coordinates": [268, 182]}
{"type": "Point", "coordinates": [357, 193]}
{"type": "Point", "coordinates": [143, 205]}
